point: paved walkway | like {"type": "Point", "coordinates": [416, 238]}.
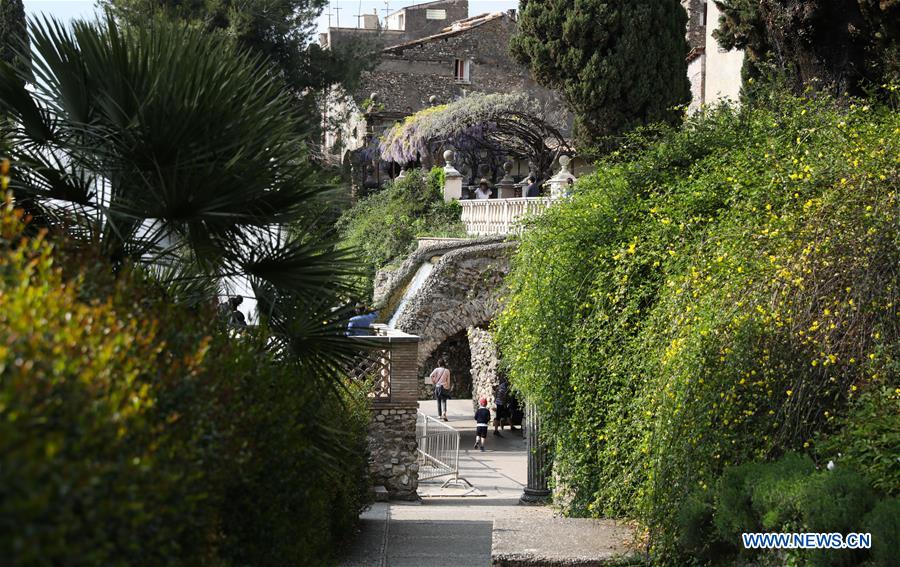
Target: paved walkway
{"type": "Point", "coordinates": [450, 531]}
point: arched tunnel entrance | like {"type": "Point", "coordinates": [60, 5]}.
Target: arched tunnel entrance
{"type": "Point", "coordinates": [473, 360]}
{"type": "Point", "coordinates": [457, 355]}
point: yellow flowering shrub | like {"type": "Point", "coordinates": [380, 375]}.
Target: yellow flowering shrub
{"type": "Point", "coordinates": [714, 295]}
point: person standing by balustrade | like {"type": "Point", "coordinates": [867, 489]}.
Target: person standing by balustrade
{"type": "Point", "coordinates": [483, 191]}
{"type": "Point", "coordinates": [533, 189]}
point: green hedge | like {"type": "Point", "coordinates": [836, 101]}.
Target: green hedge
{"type": "Point", "coordinates": [383, 227]}
{"type": "Point", "coordinates": [715, 295]}
{"type": "Point", "coordinates": [788, 496]}
{"type": "Point", "coordinates": [135, 432]}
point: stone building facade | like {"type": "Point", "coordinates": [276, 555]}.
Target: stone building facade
{"type": "Point", "coordinates": [421, 65]}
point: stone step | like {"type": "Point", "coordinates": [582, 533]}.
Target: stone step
{"type": "Point", "coordinates": [381, 494]}
{"type": "Point", "coordinates": [558, 542]}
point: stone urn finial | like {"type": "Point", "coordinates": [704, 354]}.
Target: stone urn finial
{"type": "Point", "coordinates": [506, 189]}
{"type": "Point", "coordinates": [561, 184]}
{"type": "Point", "coordinates": [448, 158]}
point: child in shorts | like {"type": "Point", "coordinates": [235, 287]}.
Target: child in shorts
{"type": "Point", "coordinates": [482, 419]}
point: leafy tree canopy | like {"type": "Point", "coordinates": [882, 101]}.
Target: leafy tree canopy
{"type": "Point", "coordinates": [618, 64]}
{"type": "Point", "coordinates": [13, 32]}
{"type": "Point", "coordinates": [190, 163]}
{"type": "Point", "coordinates": [279, 30]}
{"type": "Point", "coordinates": [842, 46]}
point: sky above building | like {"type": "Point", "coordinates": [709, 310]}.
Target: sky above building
{"type": "Point", "coordinates": [343, 12]}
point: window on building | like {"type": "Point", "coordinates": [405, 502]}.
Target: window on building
{"type": "Point", "coordinates": [401, 24]}
{"type": "Point", "coordinates": [461, 70]}
{"type": "Point", "coordinates": [435, 14]}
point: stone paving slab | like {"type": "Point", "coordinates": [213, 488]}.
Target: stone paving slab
{"type": "Point", "coordinates": [444, 530]}
{"type": "Point", "coordinates": [558, 542]}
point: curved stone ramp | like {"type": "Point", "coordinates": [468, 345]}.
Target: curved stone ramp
{"type": "Point", "coordinates": [390, 284]}
{"type": "Point", "coordinates": [462, 291]}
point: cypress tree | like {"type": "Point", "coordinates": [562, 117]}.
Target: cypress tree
{"type": "Point", "coordinates": [13, 33]}
{"type": "Point", "coordinates": [617, 63]}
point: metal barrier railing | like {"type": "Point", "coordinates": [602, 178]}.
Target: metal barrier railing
{"type": "Point", "coordinates": [438, 453]}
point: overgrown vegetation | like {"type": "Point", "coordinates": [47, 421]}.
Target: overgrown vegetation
{"type": "Point", "coordinates": [506, 126]}
{"type": "Point", "coordinates": [278, 32]}
{"type": "Point", "coordinates": [720, 294]}
{"type": "Point", "coordinates": [134, 431]}
{"type": "Point", "coordinates": [383, 226]}
{"type": "Point", "coordinates": [164, 164]}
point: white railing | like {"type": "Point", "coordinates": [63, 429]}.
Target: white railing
{"type": "Point", "coordinates": [500, 216]}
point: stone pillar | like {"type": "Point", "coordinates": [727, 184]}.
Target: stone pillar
{"type": "Point", "coordinates": [485, 361]}
{"type": "Point", "coordinates": [536, 492]}
{"type": "Point", "coordinates": [506, 189]}
{"type": "Point", "coordinates": [452, 179]}
{"type": "Point", "coordinates": [392, 443]}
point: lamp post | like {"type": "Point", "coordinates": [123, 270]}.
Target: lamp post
{"type": "Point", "coordinates": [536, 491]}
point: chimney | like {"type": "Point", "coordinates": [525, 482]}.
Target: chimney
{"type": "Point", "coordinates": [370, 21]}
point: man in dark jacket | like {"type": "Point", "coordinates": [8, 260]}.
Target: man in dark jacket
{"type": "Point", "coordinates": [533, 189]}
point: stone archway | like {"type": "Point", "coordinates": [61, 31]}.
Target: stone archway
{"type": "Point", "coordinates": [457, 354]}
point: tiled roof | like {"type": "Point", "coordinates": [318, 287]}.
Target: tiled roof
{"type": "Point", "coordinates": [455, 28]}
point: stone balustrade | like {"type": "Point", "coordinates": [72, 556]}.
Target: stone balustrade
{"type": "Point", "coordinates": [500, 216]}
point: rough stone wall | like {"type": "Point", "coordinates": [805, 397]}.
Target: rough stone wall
{"type": "Point", "coordinates": [392, 451]}
{"type": "Point", "coordinates": [455, 351]}
{"type": "Point", "coordinates": [417, 25]}
{"type": "Point", "coordinates": [485, 361]}
{"type": "Point", "coordinates": [390, 284]}
{"type": "Point", "coordinates": [392, 430]}
{"type": "Point", "coordinates": [408, 75]}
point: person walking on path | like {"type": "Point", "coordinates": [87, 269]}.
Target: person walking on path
{"type": "Point", "coordinates": [501, 391]}
{"type": "Point", "coordinates": [482, 417]}
{"type": "Point", "coordinates": [440, 377]}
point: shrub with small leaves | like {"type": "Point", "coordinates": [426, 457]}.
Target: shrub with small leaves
{"type": "Point", "coordinates": [383, 227]}
{"type": "Point", "coordinates": [133, 431]}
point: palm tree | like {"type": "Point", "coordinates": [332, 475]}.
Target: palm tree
{"type": "Point", "coordinates": [175, 150]}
